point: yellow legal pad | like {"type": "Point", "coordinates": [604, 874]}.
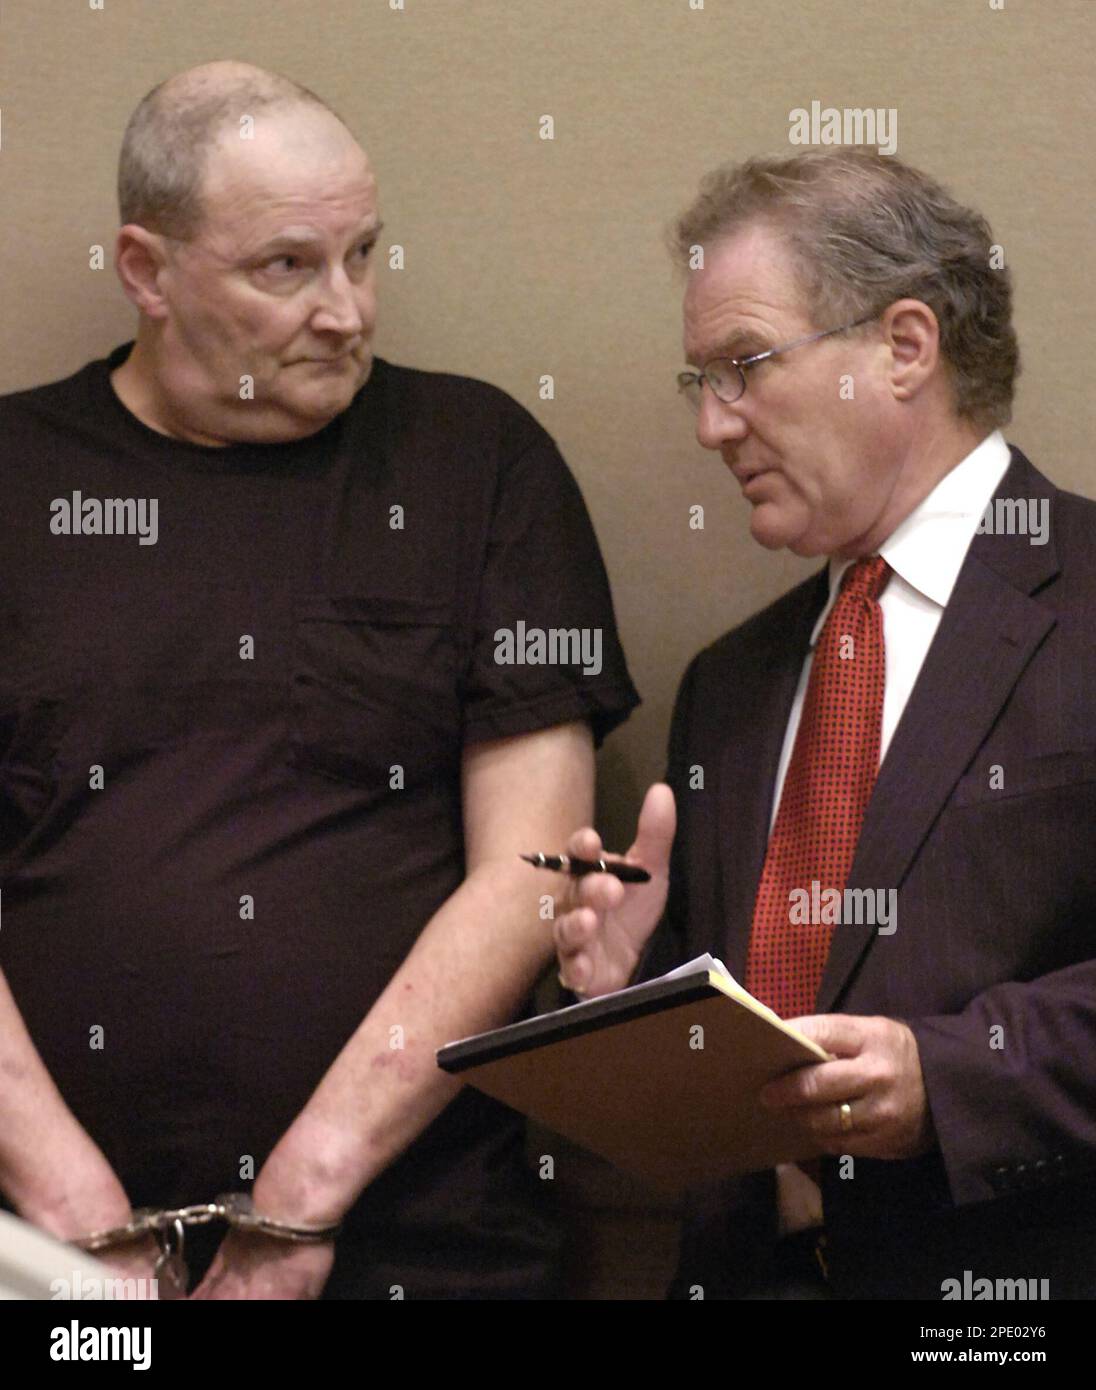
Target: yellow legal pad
{"type": "Point", "coordinates": [661, 1078]}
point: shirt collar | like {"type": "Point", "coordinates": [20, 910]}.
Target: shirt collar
{"type": "Point", "coordinates": [928, 548]}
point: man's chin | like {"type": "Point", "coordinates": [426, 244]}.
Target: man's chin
{"type": "Point", "coordinates": [776, 530]}
{"type": "Point", "coordinates": [324, 401]}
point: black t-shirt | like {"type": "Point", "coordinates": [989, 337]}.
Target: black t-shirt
{"type": "Point", "coordinates": [277, 692]}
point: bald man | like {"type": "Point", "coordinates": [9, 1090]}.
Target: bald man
{"type": "Point", "coordinates": [267, 759]}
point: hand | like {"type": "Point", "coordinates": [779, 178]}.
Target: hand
{"type": "Point", "coordinates": [138, 1261]}
{"type": "Point", "coordinates": [256, 1266]}
{"type": "Point", "coordinates": [600, 940]}
{"type": "Point", "coordinates": [250, 1265]}
{"type": "Point", "coordinates": [93, 1199]}
{"type": "Point", "coordinates": [877, 1073]}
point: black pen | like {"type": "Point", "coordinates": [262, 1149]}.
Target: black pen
{"type": "Point", "coordinates": [568, 864]}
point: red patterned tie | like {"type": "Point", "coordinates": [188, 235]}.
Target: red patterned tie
{"type": "Point", "coordinates": [826, 790]}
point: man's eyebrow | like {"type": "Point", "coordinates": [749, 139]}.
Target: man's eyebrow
{"type": "Point", "coordinates": [742, 343]}
{"type": "Point", "coordinates": [368, 231]}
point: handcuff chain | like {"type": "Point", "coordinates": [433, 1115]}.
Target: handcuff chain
{"type": "Point", "coordinates": [235, 1208]}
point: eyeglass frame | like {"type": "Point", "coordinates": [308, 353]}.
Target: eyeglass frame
{"type": "Point", "coordinates": [687, 379]}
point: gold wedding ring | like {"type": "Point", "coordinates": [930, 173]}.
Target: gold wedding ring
{"type": "Point", "coordinates": [845, 1111]}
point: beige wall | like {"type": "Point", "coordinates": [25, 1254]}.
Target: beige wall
{"type": "Point", "coordinates": [526, 256]}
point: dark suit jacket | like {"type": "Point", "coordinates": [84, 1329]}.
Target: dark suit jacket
{"type": "Point", "coordinates": [996, 918]}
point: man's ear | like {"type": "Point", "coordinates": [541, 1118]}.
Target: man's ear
{"type": "Point", "coordinates": [911, 332]}
{"type": "Point", "coordinates": [139, 258]}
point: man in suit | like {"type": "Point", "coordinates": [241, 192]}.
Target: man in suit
{"type": "Point", "coordinates": [917, 720]}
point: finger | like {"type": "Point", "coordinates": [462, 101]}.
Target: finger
{"type": "Point", "coordinates": [859, 1129]}
{"type": "Point", "coordinates": [575, 930]}
{"type": "Point", "coordinates": [655, 829]}
{"type": "Point", "coordinates": [822, 1084]}
{"type": "Point", "coordinates": [845, 1035]}
{"type": "Point", "coordinates": [601, 892]}
{"type": "Point", "coordinates": [577, 974]}
{"type": "Point", "coordinates": [585, 843]}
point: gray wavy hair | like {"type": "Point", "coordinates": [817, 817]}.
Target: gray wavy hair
{"type": "Point", "coordinates": [863, 230]}
{"type": "Point", "coordinates": [175, 127]}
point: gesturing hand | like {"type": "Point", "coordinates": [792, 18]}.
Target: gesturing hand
{"type": "Point", "coordinates": [600, 939]}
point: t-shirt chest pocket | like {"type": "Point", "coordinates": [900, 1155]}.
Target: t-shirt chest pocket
{"type": "Point", "coordinates": [374, 690]}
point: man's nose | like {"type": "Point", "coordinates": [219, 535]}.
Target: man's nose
{"type": "Point", "coordinates": [717, 422]}
{"type": "Point", "coordinates": [340, 308]}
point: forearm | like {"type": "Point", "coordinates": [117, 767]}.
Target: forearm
{"type": "Point", "coordinates": [50, 1169]}
{"type": "Point", "coordinates": [472, 965]}
{"type": "Point", "coordinates": [470, 969]}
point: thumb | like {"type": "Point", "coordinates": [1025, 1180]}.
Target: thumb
{"type": "Point", "coordinates": [839, 1034]}
{"type": "Point", "coordinates": [655, 830]}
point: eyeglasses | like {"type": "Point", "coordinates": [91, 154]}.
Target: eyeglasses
{"type": "Point", "coordinates": [727, 375]}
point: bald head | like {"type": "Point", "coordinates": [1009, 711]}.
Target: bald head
{"type": "Point", "coordinates": [249, 218]}
{"type": "Point", "coordinates": [170, 139]}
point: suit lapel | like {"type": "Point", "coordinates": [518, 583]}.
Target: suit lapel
{"type": "Point", "coordinates": [759, 704]}
{"type": "Point", "coordinates": [988, 633]}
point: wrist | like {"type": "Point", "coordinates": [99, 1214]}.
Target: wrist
{"type": "Point", "coordinates": [307, 1179]}
{"type": "Point", "coordinates": [75, 1212]}
{"type": "Point", "coordinates": [56, 1176]}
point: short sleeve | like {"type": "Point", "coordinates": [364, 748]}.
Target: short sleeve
{"type": "Point", "coordinates": [545, 648]}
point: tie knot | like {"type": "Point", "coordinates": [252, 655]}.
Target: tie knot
{"type": "Point", "coordinates": [866, 578]}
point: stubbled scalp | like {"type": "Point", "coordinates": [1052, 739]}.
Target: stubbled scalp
{"type": "Point", "coordinates": [176, 126]}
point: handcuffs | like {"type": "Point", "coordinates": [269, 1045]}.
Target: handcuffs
{"type": "Point", "coordinates": [168, 1225]}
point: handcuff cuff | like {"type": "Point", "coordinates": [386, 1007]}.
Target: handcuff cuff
{"type": "Point", "coordinates": [168, 1225]}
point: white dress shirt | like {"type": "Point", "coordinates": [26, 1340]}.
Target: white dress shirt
{"type": "Point", "coordinates": [925, 554]}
